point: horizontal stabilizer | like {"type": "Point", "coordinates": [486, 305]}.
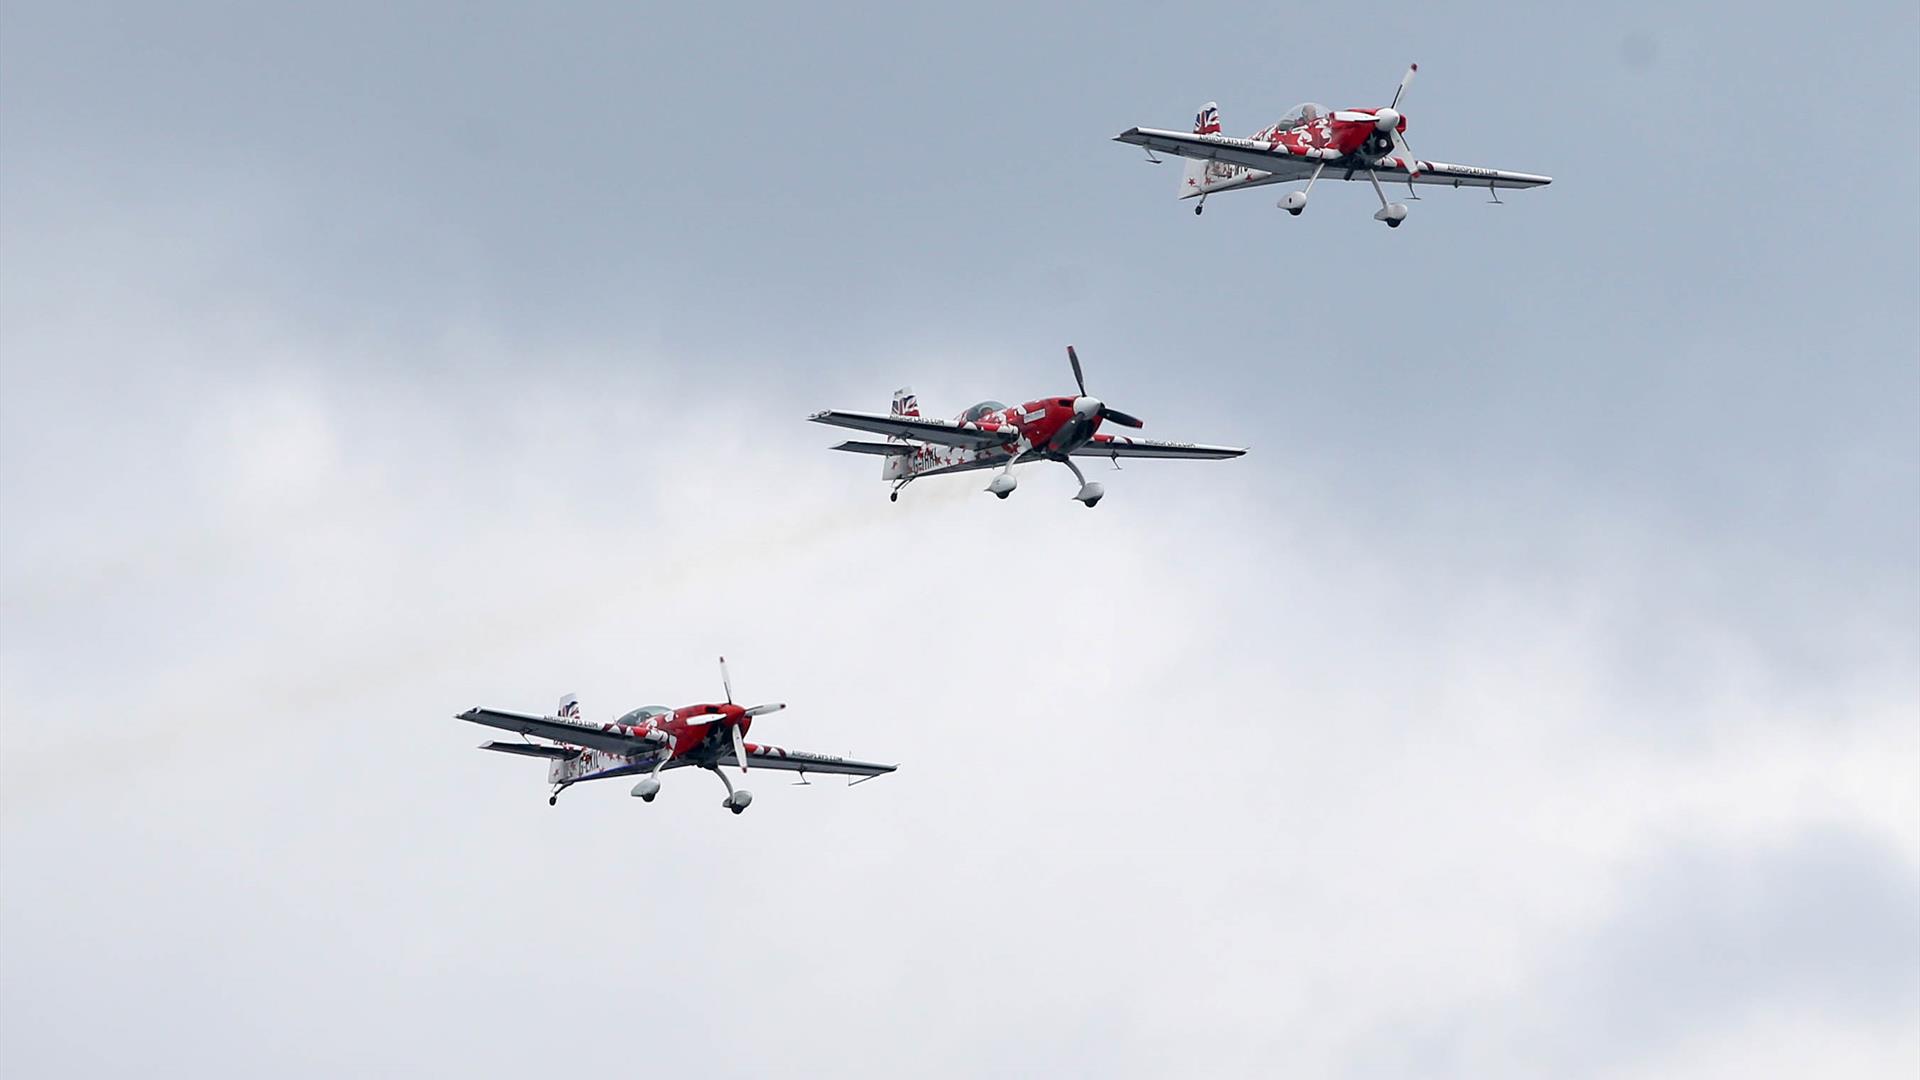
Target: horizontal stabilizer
{"type": "Point", "coordinates": [880, 448]}
{"type": "Point", "coordinates": [564, 753]}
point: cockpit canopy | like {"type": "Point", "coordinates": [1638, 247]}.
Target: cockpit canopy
{"type": "Point", "coordinates": [981, 410]}
{"type": "Point", "coordinates": [641, 715]}
{"type": "Point", "coordinates": [1301, 115]}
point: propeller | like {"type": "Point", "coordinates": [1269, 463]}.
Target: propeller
{"type": "Point", "coordinates": [1405, 81]}
{"type": "Point", "coordinates": [1088, 406]}
{"type": "Point", "coordinates": [733, 728]}
{"type": "Point", "coordinates": [1388, 122]}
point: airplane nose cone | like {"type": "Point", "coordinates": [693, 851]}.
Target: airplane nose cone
{"type": "Point", "coordinates": [1086, 408]}
{"type": "Point", "coordinates": [1386, 119]}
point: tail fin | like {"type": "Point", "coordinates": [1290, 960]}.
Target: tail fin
{"type": "Point", "coordinates": [1204, 176]}
{"type": "Point", "coordinates": [569, 707]}
{"type": "Point", "coordinates": [896, 465]}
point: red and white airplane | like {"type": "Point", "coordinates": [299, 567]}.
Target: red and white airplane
{"type": "Point", "coordinates": [1308, 140]}
{"type": "Point", "coordinates": [993, 436]}
{"type": "Point", "coordinates": [653, 738]}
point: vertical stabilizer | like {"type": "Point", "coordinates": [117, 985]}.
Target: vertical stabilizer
{"type": "Point", "coordinates": [1203, 176]}
{"type": "Point", "coordinates": [896, 465]}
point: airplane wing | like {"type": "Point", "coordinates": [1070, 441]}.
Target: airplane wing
{"type": "Point", "coordinates": [1289, 164]}
{"type": "Point", "coordinates": [564, 753]}
{"type": "Point", "coordinates": [946, 432]}
{"type": "Point", "coordinates": [773, 757]}
{"type": "Point", "coordinates": [881, 449]}
{"type": "Point", "coordinates": [1119, 446]}
{"type": "Point", "coordinates": [1267, 157]}
{"type": "Point", "coordinates": [590, 736]}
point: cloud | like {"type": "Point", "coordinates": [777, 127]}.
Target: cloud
{"type": "Point", "coordinates": [1538, 696]}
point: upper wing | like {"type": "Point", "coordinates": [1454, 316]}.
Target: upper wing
{"type": "Point", "coordinates": [566, 731]}
{"type": "Point", "coordinates": [773, 757]}
{"type": "Point", "coordinates": [1119, 446]}
{"type": "Point", "coordinates": [946, 432]}
{"type": "Point", "coordinates": [1288, 163]}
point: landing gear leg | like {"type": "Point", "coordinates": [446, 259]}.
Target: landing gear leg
{"type": "Point", "coordinates": [554, 798]}
{"type": "Point", "coordinates": [1201, 205]}
{"type": "Point", "coordinates": [735, 801]}
{"type": "Point", "coordinates": [897, 485]}
{"type": "Point", "coordinates": [646, 789]}
{"type": "Point", "coordinates": [1090, 493]}
{"type": "Point", "coordinates": [1296, 201]}
{"type": "Point", "coordinates": [1391, 213]}
{"type": "Point", "coordinates": [1003, 484]}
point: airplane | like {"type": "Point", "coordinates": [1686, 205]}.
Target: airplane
{"type": "Point", "coordinates": [654, 738]}
{"type": "Point", "coordinates": [991, 435]}
{"type": "Point", "coordinates": [1309, 140]}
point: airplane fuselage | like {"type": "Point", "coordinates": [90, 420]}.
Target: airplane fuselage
{"type": "Point", "coordinates": [1046, 427]}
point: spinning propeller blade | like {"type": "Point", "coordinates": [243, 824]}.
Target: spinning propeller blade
{"type": "Point", "coordinates": [1104, 413]}
{"type": "Point", "coordinates": [724, 681]}
{"type": "Point", "coordinates": [739, 746]}
{"type": "Point", "coordinates": [1405, 81]}
{"type": "Point", "coordinates": [762, 710]}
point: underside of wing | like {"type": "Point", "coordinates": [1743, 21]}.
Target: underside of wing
{"type": "Point", "coordinates": [945, 432]}
{"type": "Point", "coordinates": [1267, 157]}
{"type": "Point", "coordinates": [1119, 446]}
{"type": "Point", "coordinates": [564, 731]}
{"type": "Point", "coordinates": [564, 753]}
{"type": "Point", "coordinates": [1467, 177]}
{"type": "Point", "coordinates": [882, 449]}
{"type": "Point", "coordinates": [1286, 165]}
{"type": "Point", "coordinates": [773, 757]}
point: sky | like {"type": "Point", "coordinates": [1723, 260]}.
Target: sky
{"type": "Point", "coordinates": [1540, 696]}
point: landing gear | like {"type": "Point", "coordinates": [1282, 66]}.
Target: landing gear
{"type": "Point", "coordinates": [648, 787]}
{"type": "Point", "coordinates": [893, 496]}
{"type": "Point", "coordinates": [1003, 484]}
{"type": "Point", "coordinates": [735, 801]}
{"type": "Point", "coordinates": [1391, 213]}
{"type": "Point", "coordinates": [1090, 493]}
{"type": "Point", "coordinates": [554, 797]}
{"type": "Point", "coordinates": [1201, 205]}
{"type": "Point", "coordinates": [1296, 201]}
{"type": "Point", "coordinates": [553, 800]}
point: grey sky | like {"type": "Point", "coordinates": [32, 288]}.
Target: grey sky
{"type": "Point", "coordinates": [1540, 697]}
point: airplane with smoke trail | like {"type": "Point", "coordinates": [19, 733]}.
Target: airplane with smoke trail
{"type": "Point", "coordinates": [653, 739]}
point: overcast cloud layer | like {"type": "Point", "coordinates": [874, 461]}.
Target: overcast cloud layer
{"type": "Point", "coordinates": [1540, 697]}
